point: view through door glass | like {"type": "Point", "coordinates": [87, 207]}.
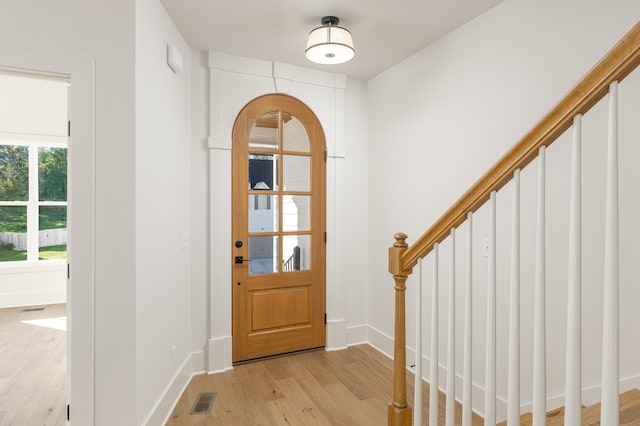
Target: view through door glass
{"type": "Point", "coordinates": [279, 214]}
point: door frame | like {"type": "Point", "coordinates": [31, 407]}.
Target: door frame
{"type": "Point", "coordinates": [241, 129]}
{"type": "Point", "coordinates": [232, 81]}
{"type": "Point", "coordinates": [80, 216]}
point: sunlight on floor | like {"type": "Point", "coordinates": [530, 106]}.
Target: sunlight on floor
{"type": "Point", "coordinates": [58, 323]}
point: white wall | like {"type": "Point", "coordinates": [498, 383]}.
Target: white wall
{"type": "Point", "coordinates": [441, 118]}
{"type": "Point", "coordinates": [32, 285]}
{"type": "Point", "coordinates": [102, 32]}
{"type": "Point", "coordinates": [162, 168]}
{"type": "Point", "coordinates": [31, 105]}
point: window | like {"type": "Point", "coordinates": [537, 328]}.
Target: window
{"type": "Point", "coordinates": [33, 199]}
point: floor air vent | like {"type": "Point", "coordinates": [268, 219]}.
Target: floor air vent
{"type": "Point", "coordinates": [41, 308]}
{"type": "Point", "coordinates": [203, 403]}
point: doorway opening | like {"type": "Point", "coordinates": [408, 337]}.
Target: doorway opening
{"type": "Point", "coordinates": [33, 245]}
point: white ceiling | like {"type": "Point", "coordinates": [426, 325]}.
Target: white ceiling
{"type": "Point", "coordinates": [384, 31]}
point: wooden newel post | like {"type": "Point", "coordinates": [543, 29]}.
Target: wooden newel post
{"type": "Point", "coordinates": [399, 413]}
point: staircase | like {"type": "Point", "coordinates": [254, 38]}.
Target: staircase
{"type": "Point", "coordinates": [599, 88]}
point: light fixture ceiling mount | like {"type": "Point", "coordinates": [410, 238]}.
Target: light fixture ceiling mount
{"type": "Point", "coordinates": [330, 21]}
{"type": "Point", "coordinates": [330, 44]}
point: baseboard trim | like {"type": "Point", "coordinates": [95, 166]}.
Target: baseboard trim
{"type": "Point", "coordinates": [590, 395]}
{"type": "Point", "coordinates": [220, 355]}
{"type": "Point", "coordinates": [336, 335]}
{"type": "Point", "coordinates": [380, 341]}
{"type": "Point", "coordinates": [356, 335]}
{"type": "Point", "coordinates": [172, 393]}
{"type": "Point", "coordinates": [199, 362]}
{"type": "Point", "coordinates": [45, 297]}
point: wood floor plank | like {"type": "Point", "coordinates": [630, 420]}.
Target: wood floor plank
{"type": "Point", "coordinates": [309, 413]}
{"type": "Point", "coordinates": [321, 396]}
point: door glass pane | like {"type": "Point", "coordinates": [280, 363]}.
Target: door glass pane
{"type": "Point", "coordinates": [52, 174]}
{"type": "Point", "coordinates": [263, 255]}
{"type": "Point", "coordinates": [263, 172]}
{"type": "Point", "coordinates": [13, 233]}
{"type": "Point", "coordinates": [52, 235]}
{"type": "Point", "coordinates": [295, 136]}
{"type": "Point", "coordinates": [264, 132]}
{"type": "Point", "coordinates": [263, 213]}
{"type": "Point", "coordinates": [14, 173]}
{"type": "Point", "coordinates": [296, 213]}
{"type": "Point", "coordinates": [296, 253]}
{"type": "Point", "coordinates": [296, 173]}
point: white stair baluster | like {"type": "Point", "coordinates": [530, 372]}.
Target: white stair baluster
{"type": "Point", "coordinates": [513, 406]}
{"type": "Point", "coordinates": [539, 331]}
{"type": "Point", "coordinates": [573, 402]}
{"type": "Point", "coordinates": [433, 386]}
{"type": "Point", "coordinates": [490, 357]}
{"type": "Point", "coordinates": [610, 321]}
{"type": "Point", "coordinates": [468, 320]}
{"type": "Point", "coordinates": [450, 412]}
{"type": "Point", "coordinates": [417, 384]}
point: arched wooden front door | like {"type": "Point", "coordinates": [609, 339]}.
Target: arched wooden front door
{"type": "Point", "coordinates": [278, 228]}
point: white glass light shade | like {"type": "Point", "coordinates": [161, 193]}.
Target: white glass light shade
{"type": "Point", "coordinates": [330, 45]}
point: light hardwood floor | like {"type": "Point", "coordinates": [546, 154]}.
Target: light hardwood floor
{"type": "Point", "coordinates": [348, 387]}
{"type": "Point", "coordinates": [32, 368]}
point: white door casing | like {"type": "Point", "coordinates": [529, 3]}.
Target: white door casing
{"type": "Point", "coordinates": [234, 81]}
{"type": "Point", "coordinates": [80, 213]}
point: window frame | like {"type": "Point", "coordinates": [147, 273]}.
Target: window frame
{"type": "Point", "coordinates": [33, 204]}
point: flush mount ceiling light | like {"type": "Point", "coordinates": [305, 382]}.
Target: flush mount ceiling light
{"type": "Point", "coordinates": [330, 44]}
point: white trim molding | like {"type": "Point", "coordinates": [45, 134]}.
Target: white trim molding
{"type": "Point", "coordinates": [220, 355]}
{"type": "Point", "coordinates": [80, 288]}
{"type": "Point", "coordinates": [336, 335]}
{"type": "Point", "coordinates": [234, 82]}
{"type": "Point", "coordinates": [193, 365]}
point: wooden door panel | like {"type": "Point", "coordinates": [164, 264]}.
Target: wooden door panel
{"type": "Point", "coordinates": [267, 308]}
{"type": "Point", "coordinates": [267, 343]}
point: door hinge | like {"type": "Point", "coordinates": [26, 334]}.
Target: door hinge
{"type": "Point", "coordinates": [326, 154]}
{"type": "Point", "coordinates": [325, 237]}
{"type": "Point", "coordinates": [68, 412]}
{"type": "Point", "coordinates": [69, 128]}
{"type": "Point", "coordinates": [68, 271]}
{"type": "Point", "coordinates": [325, 317]}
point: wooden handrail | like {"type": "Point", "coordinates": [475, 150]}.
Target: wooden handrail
{"type": "Point", "coordinates": [615, 66]}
